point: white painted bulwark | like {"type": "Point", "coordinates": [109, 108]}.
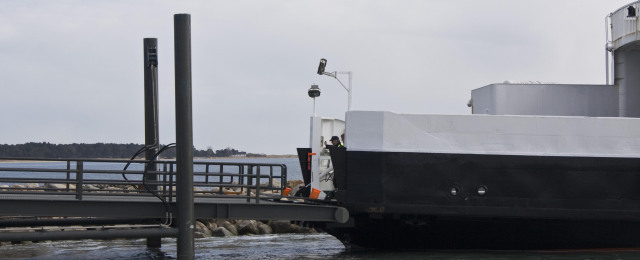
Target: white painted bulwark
{"type": "Point", "coordinates": [497, 135]}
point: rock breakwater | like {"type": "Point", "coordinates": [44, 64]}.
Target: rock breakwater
{"type": "Point", "coordinates": [228, 228]}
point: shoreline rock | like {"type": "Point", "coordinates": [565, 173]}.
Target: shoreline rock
{"type": "Point", "coordinates": [226, 228]}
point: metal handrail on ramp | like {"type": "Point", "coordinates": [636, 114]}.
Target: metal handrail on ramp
{"type": "Point", "coordinates": [106, 177]}
{"type": "Point", "coordinates": [100, 188]}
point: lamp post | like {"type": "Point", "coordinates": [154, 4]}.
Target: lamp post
{"type": "Point", "coordinates": [314, 92]}
{"type": "Point", "coordinates": [321, 67]}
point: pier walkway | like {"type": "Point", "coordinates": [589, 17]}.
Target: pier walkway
{"type": "Point", "coordinates": [100, 192]}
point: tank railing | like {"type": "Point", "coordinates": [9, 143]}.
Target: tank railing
{"type": "Point", "coordinates": [105, 177]}
{"type": "Point", "coordinates": [623, 24]}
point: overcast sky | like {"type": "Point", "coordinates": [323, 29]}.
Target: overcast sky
{"type": "Point", "coordinates": [72, 71]}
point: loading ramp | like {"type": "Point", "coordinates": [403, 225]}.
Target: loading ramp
{"type": "Point", "coordinates": [88, 191]}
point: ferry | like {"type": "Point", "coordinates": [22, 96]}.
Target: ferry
{"type": "Point", "coordinates": [535, 166]}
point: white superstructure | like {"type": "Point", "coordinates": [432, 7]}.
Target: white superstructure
{"type": "Point", "coordinates": [379, 131]}
{"type": "Point", "coordinates": [545, 99]}
{"type": "Point", "coordinates": [620, 99]}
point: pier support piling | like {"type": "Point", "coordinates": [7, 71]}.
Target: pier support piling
{"type": "Point", "coordinates": [151, 133]}
{"type": "Point", "coordinates": [184, 137]}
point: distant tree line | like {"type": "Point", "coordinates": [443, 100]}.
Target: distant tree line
{"type": "Point", "coordinates": [229, 152]}
{"type": "Point", "coordinates": [226, 152]}
{"type": "Point", "coordinates": [101, 150]}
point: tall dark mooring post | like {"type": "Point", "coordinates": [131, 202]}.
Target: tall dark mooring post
{"type": "Point", "coordinates": [151, 96]}
{"type": "Point", "coordinates": [184, 136]}
{"type": "Point", "coordinates": [151, 136]}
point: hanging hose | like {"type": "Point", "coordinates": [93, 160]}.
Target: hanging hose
{"type": "Point", "coordinates": [145, 148]}
{"type": "Point", "coordinates": [166, 205]}
{"type": "Point", "coordinates": [141, 150]}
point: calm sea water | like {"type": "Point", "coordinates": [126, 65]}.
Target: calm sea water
{"type": "Point", "coordinates": [280, 246]}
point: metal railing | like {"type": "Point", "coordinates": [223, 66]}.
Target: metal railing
{"type": "Point", "coordinates": [624, 26]}
{"type": "Point", "coordinates": [106, 177]}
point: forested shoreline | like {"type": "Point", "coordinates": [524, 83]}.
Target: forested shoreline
{"type": "Point", "coordinates": [102, 150]}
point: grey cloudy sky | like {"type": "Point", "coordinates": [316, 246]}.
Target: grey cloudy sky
{"type": "Point", "coordinates": [71, 71]}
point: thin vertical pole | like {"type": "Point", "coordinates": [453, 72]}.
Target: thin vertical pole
{"type": "Point", "coordinates": [350, 89]}
{"type": "Point", "coordinates": [150, 50]}
{"type": "Point", "coordinates": [184, 136]}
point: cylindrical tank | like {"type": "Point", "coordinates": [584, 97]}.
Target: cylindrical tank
{"type": "Point", "coordinates": [625, 41]}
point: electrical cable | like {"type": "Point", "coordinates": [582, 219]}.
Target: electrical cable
{"type": "Point", "coordinates": [141, 150]}
{"type": "Point", "coordinates": [151, 161]}
{"type": "Point", "coordinates": [166, 205]}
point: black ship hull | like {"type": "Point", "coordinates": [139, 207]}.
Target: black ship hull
{"type": "Point", "coordinates": [482, 233]}
{"type": "Point", "coordinates": [470, 201]}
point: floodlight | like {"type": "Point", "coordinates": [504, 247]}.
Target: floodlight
{"type": "Point", "coordinates": [323, 63]}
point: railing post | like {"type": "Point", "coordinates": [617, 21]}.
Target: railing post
{"type": "Point", "coordinates": [283, 174]}
{"type": "Point", "coordinates": [163, 188]}
{"type": "Point", "coordinates": [68, 174]}
{"type": "Point", "coordinates": [249, 181]}
{"type": "Point", "coordinates": [283, 178]}
{"type": "Point", "coordinates": [171, 181]}
{"type": "Point", "coordinates": [220, 177]}
{"type": "Point", "coordinates": [258, 185]}
{"type": "Point", "coordinates": [184, 136]}
{"type": "Point", "coordinates": [79, 177]}
{"type": "Point", "coordinates": [206, 177]}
